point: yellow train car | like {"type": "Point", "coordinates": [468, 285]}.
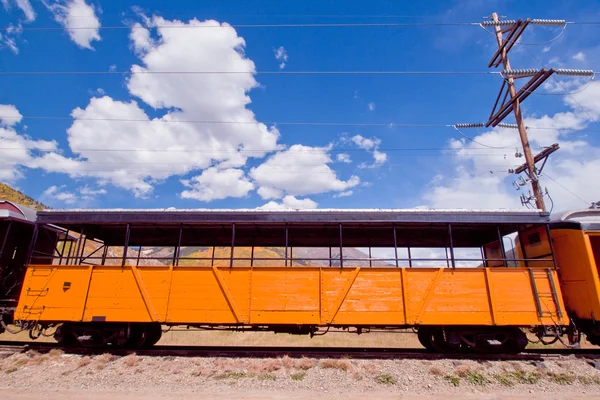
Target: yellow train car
{"type": "Point", "coordinates": [452, 274]}
{"type": "Point", "coordinates": [576, 240]}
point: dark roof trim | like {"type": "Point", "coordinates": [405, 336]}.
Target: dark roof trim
{"type": "Point", "coordinates": [101, 217]}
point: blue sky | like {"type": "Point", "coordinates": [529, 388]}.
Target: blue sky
{"type": "Point", "coordinates": [128, 164]}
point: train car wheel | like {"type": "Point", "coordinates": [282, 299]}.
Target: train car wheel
{"type": "Point", "coordinates": [154, 333]}
{"type": "Point", "coordinates": [424, 336]}
{"type": "Point", "coordinates": [137, 336]}
{"type": "Point", "coordinates": [64, 335]}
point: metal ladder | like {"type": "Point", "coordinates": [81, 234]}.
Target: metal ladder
{"type": "Point", "coordinates": [548, 295]}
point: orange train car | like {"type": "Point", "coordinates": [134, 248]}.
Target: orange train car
{"type": "Point", "coordinates": [471, 280]}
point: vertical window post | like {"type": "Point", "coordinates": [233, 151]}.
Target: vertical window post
{"type": "Point", "coordinates": [33, 243]}
{"type": "Point", "coordinates": [395, 245]}
{"type": "Point", "coordinates": [451, 246]}
{"type": "Point", "coordinates": [551, 246]}
{"type": "Point", "coordinates": [522, 244]}
{"type": "Point", "coordinates": [252, 256]}
{"type": "Point", "coordinates": [341, 255]}
{"type": "Point", "coordinates": [126, 246]}
{"type": "Point", "coordinates": [178, 247]}
{"type": "Point", "coordinates": [286, 245]}
{"type": "Point", "coordinates": [232, 244]}
{"type": "Point", "coordinates": [370, 258]}
{"type": "Point", "coordinates": [76, 255]}
{"type": "Point", "coordinates": [62, 251]}
{"type": "Point", "coordinates": [409, 256]}
{"type": "Point", "coordinates": [212, 260]}
{"type": "Point", "coordinates": [330, 258]}
{"type": "Point", "coordinates": [5, 240]}
{"type": "Point", "coordinates": [502, 250]}
{"type": "Point", "coordinates": [104, 253]}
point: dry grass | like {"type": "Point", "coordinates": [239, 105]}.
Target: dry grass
{"type": "Point", "coordinates": [287, 362]}
{"type": "Point", "coordinates": [306, 363]}
{"type": "Point", "coordinates": [102, 361]}
{"type": "Point", "coordinates": [131, 360]}
{"type": "Point", "coordinates": [386, 379]}
{"type": "Point", "coordinates": [343, 365]}
{"type": "Point", "coordinates": [437, 371]}
{"type": "Point", "coordinates": [371, 368]}
{"type": "Point", "coordinates": [265, 366]}
{"type": "Point", "coordinates": [84, 361]}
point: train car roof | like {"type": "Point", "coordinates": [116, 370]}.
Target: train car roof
{"type": "Point", "coordinates": [586, 219]}
{"type": "Point", "coordinates": [13, 211]}
{"type": "Point", "coordinates": [310, 227]}
{"type": "Point", "coordinates": [177, 216]}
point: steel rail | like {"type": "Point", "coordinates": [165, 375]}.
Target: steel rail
{"type": "Point", "coordinates": [297, 352]}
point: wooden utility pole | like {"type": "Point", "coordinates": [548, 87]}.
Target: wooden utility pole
{"type": "Point", "coordinates": [529, 161]}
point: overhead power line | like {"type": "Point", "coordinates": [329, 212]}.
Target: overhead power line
{"type": "Point", "coordinates": [146, 72]}
{"type": "Point", "coordinates": [546, 22]}
{"type": "Point", "coordinates": [286, 123]}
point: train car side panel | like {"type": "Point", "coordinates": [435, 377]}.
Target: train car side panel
{"type": "Point", "coordinates": [578, 272]}
{"type": "Point", "coordinates": [289, 295]}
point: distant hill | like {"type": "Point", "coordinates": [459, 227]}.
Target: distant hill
{"type": "Point", "coordinates": [10, 194]}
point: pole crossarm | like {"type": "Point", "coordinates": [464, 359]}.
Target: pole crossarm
{"type": "Point", "coordinates": [536, 80]}
{"type": "Point", "coordinates": [543, 155]}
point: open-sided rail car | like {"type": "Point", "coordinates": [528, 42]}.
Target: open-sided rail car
{"type": "Point", "coordinates": [445, 272]}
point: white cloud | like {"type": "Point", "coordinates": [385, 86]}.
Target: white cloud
{"type": "Point", "coordinates": [365, 143]}
{"type": "Point", "coordinates": [579, 56]}
{"type": "Point", "coordinates": [371, 145]}
{"type": "Point", "coordinates": [112, 67]}
{"type": "Point", "coordinates": [344, 194]}
{"type": "Point", "coordinates": [58, 193]}
{"type": "Point", "coordinates": [281, 56]}
{"type": "Point", "coordinates": [9, 115]}
{"type": "Point", "coordinates": [24, 6]}
{"type": "Point", "coordinates": [266, 193]}
{"type": "Point", "coordinates": [77, 16]}
{"type": "Point", "coordinates": [546, 49]}
{"type": "Point", "coordinates": [344, 157]}
{"type": "Point", "coordinates": [290, 203]}
{"type": "Point", "coordinates": [146, 153]}
{"type": "Point", "coordinates": [88, 193]}
{"type": "Point", "coordinates": [216, 184]}
{"type": "Point", "coordinates": [16, 150]}
{"type": "Point", "coordinates": [371, 106]}
{"type": "Point", "coordinates": [300, 170]}
{"type": "Point", "coordinates": [574, 166]}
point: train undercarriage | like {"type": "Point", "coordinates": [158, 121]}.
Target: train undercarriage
{"type": "Point", "coordinates": [437, 339]}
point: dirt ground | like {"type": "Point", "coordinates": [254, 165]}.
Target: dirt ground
{"type": "Point", "coordinates": [56, 375]}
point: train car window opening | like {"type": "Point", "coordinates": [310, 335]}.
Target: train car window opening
{"type": "Point", "coordinates": [595, 243]}
{"type": "Point", "coordinates": [350, 244]}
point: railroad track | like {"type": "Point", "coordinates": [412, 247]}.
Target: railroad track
{"type": "Point", "coordinates": [312, 352]}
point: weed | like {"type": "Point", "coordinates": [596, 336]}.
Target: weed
{"type": "Point", "coordinates": [55, 353]}
{"type": "Point", "coordinates": [11, 370]}
{"type": "Point", "coordinates": [343, 365]}
{"type": "Point", "coordinates": [562, 378]}
{"type": "Point", "coordinates": [386, 379]}
{"type": "Point", "coordinates": [266, 366]}
{"type": "Point", "coordinates": [525, 377]}
{"type": "Point", "coordinates": [437, 371]}
{"type": "Point", "coordinates": [101, 361]}
{"type": "Point", "coordinates": [305, 363]}
{"type": "Point", "coordinates": [267, 377]}
{"type": "Point", "coordinates": [131, 360]}
{"type": "Point", "coordinates": [586, 380]}
{"type": "Point", "coordinates": [452, 379]}
{"type": "Point", "coordinates": [287, 362]}
{"type": "Point", "coordinates": [231, 375]}
{"type": "Point", "coordinates": [462, 370]}
{"type": "Point", "coordinates": [475, 378]}
{"type": "Point", "coordinates": [84, 361]}
{"type": "Point", "coordinates": [298, 376]}
{"type": "Point", "coordinates": [503, 379]}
